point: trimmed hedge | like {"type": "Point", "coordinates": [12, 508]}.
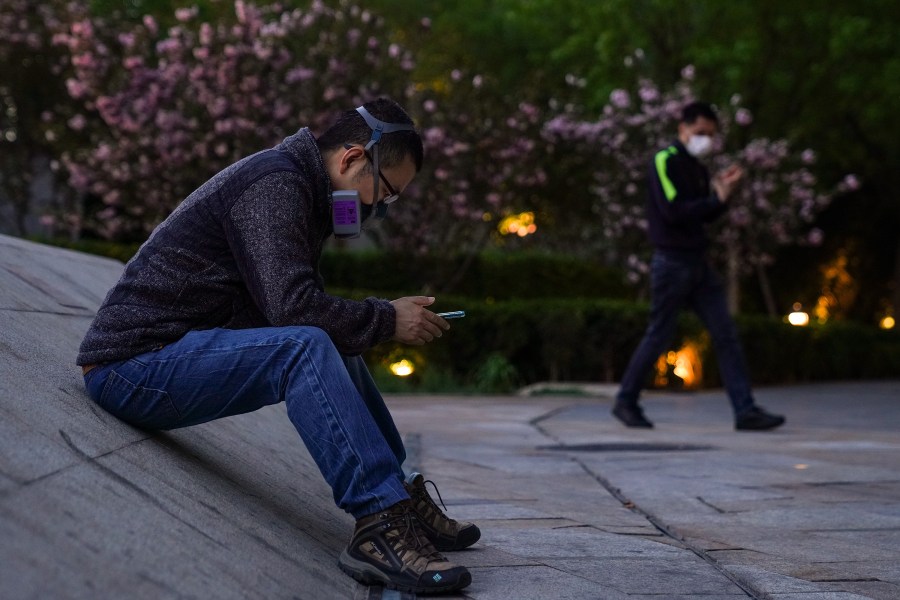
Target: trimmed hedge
{"type": "Point", "coordinates": [592, 340]}
{"type": "Point", "coordinates": [117, 250]}
{"type": "Point", "coordinates": [490, 275]}
{"type": "Point", "coordinates": [537, 317]}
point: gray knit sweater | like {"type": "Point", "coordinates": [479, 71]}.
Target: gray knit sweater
{"type": "Point", "coordinates": [241, 251]}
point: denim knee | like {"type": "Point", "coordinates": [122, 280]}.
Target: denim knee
{"type": "Point", "coordinates": [307, 338]}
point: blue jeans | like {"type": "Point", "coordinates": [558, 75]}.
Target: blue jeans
{"type": "Point", "coordinates": [680, 280]}
{"type": "Point", "coordinates": [330, 399]}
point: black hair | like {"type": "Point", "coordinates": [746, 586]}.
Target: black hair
{"type": "Point", "coordinates": [351, 128]}
{"type": "Point", "coordinates": [693, 111]}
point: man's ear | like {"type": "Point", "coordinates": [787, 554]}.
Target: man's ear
{"type": "Point", "coordinates": [683, 132]}
{"type": "Point", "coordinates": [351, 155]}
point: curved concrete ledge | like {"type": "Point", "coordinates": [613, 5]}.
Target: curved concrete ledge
{"type": "Point", "coordinates": [93, 508]}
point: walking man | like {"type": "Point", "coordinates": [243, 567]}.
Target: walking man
{"type": "Point", "coordinates": [680, 203]}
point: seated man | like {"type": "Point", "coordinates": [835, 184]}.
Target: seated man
{"type": "Point", "coordinates": [223, 311]}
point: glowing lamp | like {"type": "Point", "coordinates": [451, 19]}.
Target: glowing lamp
{"type": "Point", "coordinates": [402, 368]}
{"type": "Point", "coordinates": [521, 224]}
{"type": "Point", "coordinates": [798, 318]}
{"type": "Point", "coordinates": [685, 365]}
{"type": "Point", "coordinates": [887, 322]}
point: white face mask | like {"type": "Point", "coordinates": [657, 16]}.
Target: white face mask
{"type": "Point", "coordinates": [699, 145]}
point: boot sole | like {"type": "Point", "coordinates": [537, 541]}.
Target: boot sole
{"type": "Point", "coordinates": [368, 574]}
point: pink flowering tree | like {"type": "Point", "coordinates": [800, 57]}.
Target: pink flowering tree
{"type": "Point", "coordinates": [162, 110]}
{"type": "Point", "coordinates": [159, 111]}
{"type": "Point", "coordinates": [775, 206]}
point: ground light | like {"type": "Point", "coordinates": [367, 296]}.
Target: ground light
{"type": "Point", "coordinates": [685, 365]}
{"type": "Point", "coordinates": [887, 322]}
{"type": "Point", "coordinates": [402, 368]}
{"type": "Point", "coordinates": [798, 318]}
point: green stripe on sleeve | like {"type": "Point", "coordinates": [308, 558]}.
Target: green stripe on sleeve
{"type": "Point", "coordinates": [660, 160]}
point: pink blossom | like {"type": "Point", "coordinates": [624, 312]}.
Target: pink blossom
{"type": "Point", "coordinates": [240, 10]}
{"type": "Point", "coordinates": [743, 117]}
{"type": "Point", "coordinates": [206, 34]}
{"type": "Point", "coordinates": [850, 182]}
{"type": "Point", "coordinates": [619, 98]}
{"type": "Point", "coordinates": [185, 14]}
{"type": "Point", "coordinates": [77, 122]}
{"type": "Point", "coordinates": [648, 93]}
{"type": "Point", "coordinates": [150, 24]}
{"type": "Point", "coordinates": [75, 88]}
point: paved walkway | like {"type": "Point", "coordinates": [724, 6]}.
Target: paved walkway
{"type": "Point", "coordinates": [572, 505]}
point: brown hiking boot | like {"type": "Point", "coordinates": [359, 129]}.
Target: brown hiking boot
{"type": "Point", "coordinates": [445, 533]}
{"type": "Point", "coordinates": [390, 548]}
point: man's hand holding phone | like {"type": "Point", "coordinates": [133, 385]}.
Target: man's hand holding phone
{"type": "Point", "coordinates": [416, 325]}
{"type": "Point", "coordinates": [726, 181]}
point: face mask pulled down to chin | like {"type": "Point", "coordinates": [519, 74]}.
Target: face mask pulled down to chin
{"type": "Point", "coordinates": [699, 145]}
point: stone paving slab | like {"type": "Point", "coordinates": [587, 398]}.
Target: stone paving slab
{"type": "Point", "coordinates": [597, 547]}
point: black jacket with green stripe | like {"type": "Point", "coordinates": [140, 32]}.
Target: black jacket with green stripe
{"type": "Point", "coordinates": [680, 201]}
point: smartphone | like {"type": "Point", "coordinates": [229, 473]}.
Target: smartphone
{"type": "Point", "coordinates": [456, 314]}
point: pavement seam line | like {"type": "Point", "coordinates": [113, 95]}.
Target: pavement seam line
{"type": "Point", "coordinates": [672, 533]}
{"type": "Point", "coordinates": [616, 493]}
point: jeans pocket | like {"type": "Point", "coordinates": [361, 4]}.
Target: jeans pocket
{"type": "Point", "coordinates": [140, 406]}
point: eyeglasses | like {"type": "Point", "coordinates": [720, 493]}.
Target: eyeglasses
{"type": "Point", "coordinates": [393, 194]}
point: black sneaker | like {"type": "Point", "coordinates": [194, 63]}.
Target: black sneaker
{"type": "Point", "coordinates": [631, 415]}
{"type": "Point", "coordinates": [445, 533]}
{"type": "Point", "coordinates": [756, 418]}
{"type": "Point", "coordinates": [390, 548]}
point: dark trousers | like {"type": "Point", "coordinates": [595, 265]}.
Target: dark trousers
{"type": "Point", "coordinates": [683, 280]}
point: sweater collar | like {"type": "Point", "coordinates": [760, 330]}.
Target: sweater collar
{"type": "Point", "coordinates": [302, 149]}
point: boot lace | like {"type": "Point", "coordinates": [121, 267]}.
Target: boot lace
{"type": "Point", "coordinates": [422, 494]}
{"type": "Point", "coordinates": [409, 541]}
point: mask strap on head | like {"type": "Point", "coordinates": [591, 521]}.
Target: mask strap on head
{"type": "Point", "coordinates": [379, 128]}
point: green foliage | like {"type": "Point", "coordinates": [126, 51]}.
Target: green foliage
{"type": "Point", "coordinates": [496, 375]}
{"type": "Point", "coordinates": [500, 345]}
{"type": "Point", "coordinates": [489, 276]}
{"type": "Point", "coordinates": [780, 353]}
{"type": "Point", "coordinates": [516, 342]}
{"type": "Point", "coordinates": [116, 250]}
